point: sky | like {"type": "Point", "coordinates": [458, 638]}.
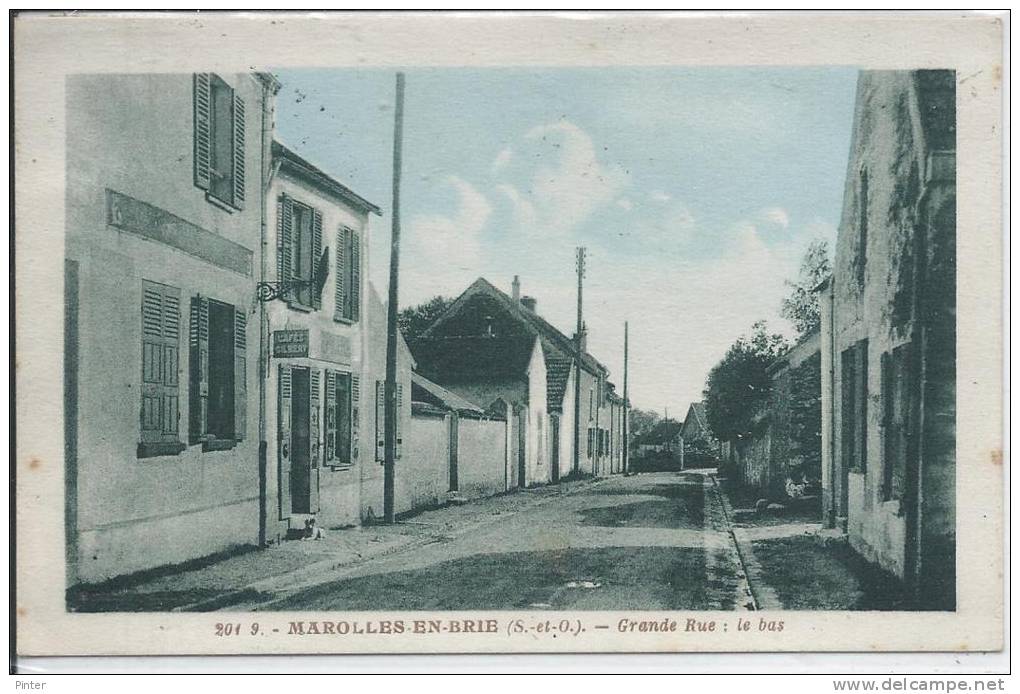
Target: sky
{"type": "Point", "coordinates": [694, 190]}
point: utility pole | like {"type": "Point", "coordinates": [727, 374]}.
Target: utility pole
{"type": "Point", "coordinates": [391, 414]}
{"type": "Point", "coordinates": [626, 406]}
{"type": "Point", "coordinates": [577, 339]}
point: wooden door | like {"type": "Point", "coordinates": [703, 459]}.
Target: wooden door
{"type": "Point", "coordinates": [300, 435]}
{"type": "Point", "coordinates": [285, 443]}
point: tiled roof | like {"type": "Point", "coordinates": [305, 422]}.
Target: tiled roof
{"type": "Point", "coordinates": [472, 358]}
{"type": "Point", "coordinates": [663, 432]}
{"type": "Point", "coordinates": [557, 371]}
{"type": "Point", "coordinates": [550, 335]}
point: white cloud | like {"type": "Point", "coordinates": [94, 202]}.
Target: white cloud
{"type": "Point", "coordinates": [524, 210]}
{"type": "Point", "coordinates": [777, 216]}
{"type": "Point", "coordinates": [659, 196]}
{"type": "Point", "coordinates": [446, 248]}
{"type": "Point", "coordinates": [575, 183]}
{"type": "Point", "coordinates": [625, 204]}
{"type": "Point", "coordinates": [502, 159]}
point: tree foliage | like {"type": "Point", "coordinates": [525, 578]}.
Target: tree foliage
{"type": "Point", "coordinates": [641, 422]}
{"type": "Point", "coordinates": [806, 416]}
{"type": "Point", "coordinates": [414, 320]}
{"type": "Point", "coordinates": [739, 384]}
{"type": "Point", "coordinates": [801, 307]}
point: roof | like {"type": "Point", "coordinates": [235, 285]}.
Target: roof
{"type": "Point", "coordinates": [535, 324]}
{"type": "Point", "coordinates": [700, 416]}
{"type": "Point", "coordinates": [701, 413]}
{"type": "Point", "coordinates": [296, 165]}
{"type": "Point", "coordinates": [425, 391]}
{"type": "Point", "coordinates": [663, 431]}
{"type": "Point", "coordinates": [557, 373]}
{"type": "Point", "coordinates": [473, 358]}
{"type": "Point", "coordinates": [808, 346]}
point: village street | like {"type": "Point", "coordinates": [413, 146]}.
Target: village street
{"type": "Point", "coordinates": [653, 541]}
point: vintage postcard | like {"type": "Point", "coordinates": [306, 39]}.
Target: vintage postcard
{"type": "Point", "coordinates": [423, 333]}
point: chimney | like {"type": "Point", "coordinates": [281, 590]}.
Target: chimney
{"type": "Point", "coordinates": [516, 293]}
{"type": "Point", "coordinates": [529, 302]}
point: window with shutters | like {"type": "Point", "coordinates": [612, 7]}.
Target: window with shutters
{"type": "Point", "coordinates": [380, 421]}
{"type": "Point", "coordinates": [299, 251]}
{"type": "Point", "coordinates": [218, 383]}
{"type": "Point", "coordinates": [347, 287]}
{"type": "Point", "coordinates": [219, 140]}
{"type": "Point", "coordinates": [896, 388]}
{"type": "Point", "coordinates": [342, 394]}
{"type": "Point", "coordinates": [160, 391]}
{"type": "Point", "coordinates": [854, 419]}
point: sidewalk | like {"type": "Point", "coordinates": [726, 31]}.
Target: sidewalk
{"type": "Point", "coordinates": [246, 574]}
{"type": "Point", "coordinates": [796, 564]}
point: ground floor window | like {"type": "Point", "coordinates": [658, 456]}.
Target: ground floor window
{"type": "Point", "coordinates": [380, 421]}
{"type": "Point", "coordinates": [217, 380]}
{"type": "Point", "coordinates": [854, 419]}
{"type": "Point", "coordinates": [897, 385]}
{"type": "Point", "coordinates": [342, 392]}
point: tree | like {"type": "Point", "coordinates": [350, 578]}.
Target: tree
{"type": "Point", "coordinates": [641, 421]}
{"type": "Point", "coordinates": [739, 384]}
{"type": "Point", "coordinates": [415, 320]}
{"type": "Point", "coordinates": [801, 307]}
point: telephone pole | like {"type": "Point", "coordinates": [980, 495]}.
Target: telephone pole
{"type": "Point", "coordinates": [626, 406]}
{"type": "Point", "coordinates": [580, 350]}
{"type": "Point", "coordinates": [390, 391]}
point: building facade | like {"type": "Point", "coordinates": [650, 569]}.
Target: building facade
{"type": "Point", "coordinates": [888, 345]}
{"type": "Point", "coordinates": [489, 344]}
{"type": "Point", "coordinates": [164, 201]}
{"type": "Point", "coordinates": [318, 412]}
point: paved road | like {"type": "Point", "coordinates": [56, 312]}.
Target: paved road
{"type": "Point", "coordinates": [652, 541]}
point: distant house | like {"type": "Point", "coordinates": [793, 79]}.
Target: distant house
{"type": "Point", "coordinates": [492, 370]}
{"type": "Point", "coordinates": [490, 345]}
{"type": "Point", "coordinates": [696, 423]}
{"type": "Point", "coordinates": [664, 437]}
{"type": "Point", "coordinates": [697, 435]}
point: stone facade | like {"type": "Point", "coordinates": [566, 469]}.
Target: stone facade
{"type": "Point", "coordinates": [889, 334]}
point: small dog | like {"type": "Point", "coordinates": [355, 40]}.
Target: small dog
{"type": "Point", "coordinates": [312, 532]}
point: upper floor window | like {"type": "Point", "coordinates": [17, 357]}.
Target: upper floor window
{"type": "Point", "coordinates": [219, 140]}
{"type": "Point", "coordinates": [299, 251]}
{"type": "Point", "coordinates": [347, 305]}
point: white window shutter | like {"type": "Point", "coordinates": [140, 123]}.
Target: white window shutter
{"type": "Point", "coordinates": [238, 178]}
{"type": "Point", "coordinates": [203, 129]}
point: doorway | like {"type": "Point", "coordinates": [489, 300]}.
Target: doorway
{"type": "Point", "coordinates": [554, 426]}
{"type": "Point", "coordinates": [300, 431]}
{"type": "Point", "coordinates": [522, 448]}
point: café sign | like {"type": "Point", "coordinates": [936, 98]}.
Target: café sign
{"type": "Point", "coordinates": [290, 343]}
